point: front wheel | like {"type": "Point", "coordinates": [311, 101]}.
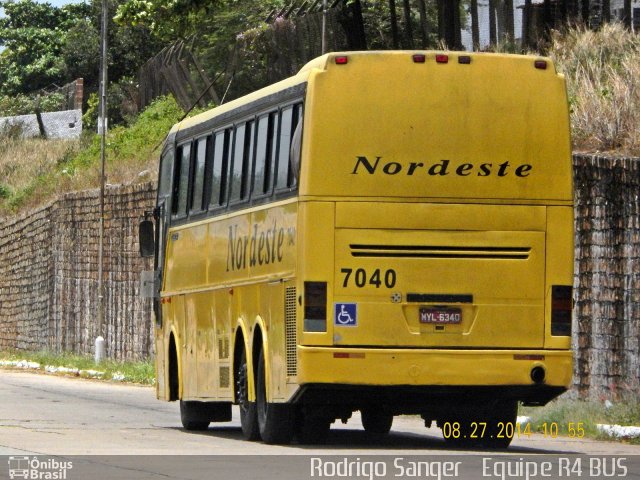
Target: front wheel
{"type": "Point", "coordinates": [274, 419]}
{"type": "Point", "coordinates": [377, 422]}
{"type": "Point", "coordinates": [248, 418]}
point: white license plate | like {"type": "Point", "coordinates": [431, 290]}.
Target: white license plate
{"type": "Point", "coordinates": [441, 315]}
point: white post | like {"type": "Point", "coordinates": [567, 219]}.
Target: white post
{"type": "Point", "coordinates": [100, 349]}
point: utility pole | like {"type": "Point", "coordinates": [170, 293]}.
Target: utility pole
{"type": "Point", "coordinates": [102, 125]}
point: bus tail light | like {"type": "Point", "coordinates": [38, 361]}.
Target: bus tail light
{"type": "Point", "coordinates": [441, 58]}
{"type": "Point", "coordinates": [540, 64]}
{"type": "Point", "coordinates": [419, 58]}
{"type": "Point", "coordinates": [561, 307]}
{"type": "Point", "coordinates": [315, 306]}
{"type": "Point", "coordinates": [342, 60]}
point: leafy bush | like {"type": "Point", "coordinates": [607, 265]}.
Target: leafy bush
{"type": "Point", "coordinates": [12, 105]}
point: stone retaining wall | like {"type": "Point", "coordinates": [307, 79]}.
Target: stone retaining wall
{"type": "Point", "coordinates": [49, 275]}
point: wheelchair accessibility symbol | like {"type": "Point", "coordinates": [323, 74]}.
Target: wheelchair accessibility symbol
{"type": "Point", "coordinates": [345, 314]}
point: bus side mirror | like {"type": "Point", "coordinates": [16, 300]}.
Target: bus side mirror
{"type": "Point", "coordinates": [146, 238]}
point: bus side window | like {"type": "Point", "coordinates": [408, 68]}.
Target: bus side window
{"type": "Point", "coordinates": [166, 173]}
{"type": "Point", "coordinates": [289, 119]}
{"type": "Point", "coordinates": [199, 175]}
{"type": "Point", "coordinates": [220, 168]}
{"type": "Point", "coordinates": [264, 155]}
{"type": "Point", "coordinates": [181, 181]}
{"type": "Point", "coordinates": [295, 152]}
{"type": "Point", "coordinates": [284, 142]}
{"type": "Point", "coordinates": [242, 151]}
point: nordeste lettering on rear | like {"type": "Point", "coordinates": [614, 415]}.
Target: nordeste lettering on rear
{"type": "Point", "coordinates": [442, 168]}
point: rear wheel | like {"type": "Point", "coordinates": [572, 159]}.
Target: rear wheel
{"type": "Point", "coordinates": [459, 432]}
{"type": "Point", "coordinates": [501, 425]}
{"type": "Point", "coordinates": [192, 416]}
{"type": "Point", "coordinates": [274, 419]}
{"type": "Point", "coordinates": [248, 417]}
{"type": "Point", "coordinates": [312, 428]}
{"type": "Point", "coordinates": [377, 422]}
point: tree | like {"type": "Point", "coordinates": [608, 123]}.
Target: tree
{"type": "Point", "coordinates": [627, 14]}
{"type": "Point", "coordinates": [606, 11]}
{"type": "Point", "coordinates": [424, 28]}
{"type": "Point", "coordinates": [33, 35]}
{"type": "Point", "coordinates": [493, 29]}
{"type": "Point", "coordinates": [408, 29]}
{"type": "Point", "coordinates": [394, 23]}
{"type": "Point", "coordinates": [475, 28]}
{"type": "Point", "coordinates": [509, 35]}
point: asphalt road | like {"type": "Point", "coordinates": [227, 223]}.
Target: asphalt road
{"type": "Point", "coordinates": [45, 415]}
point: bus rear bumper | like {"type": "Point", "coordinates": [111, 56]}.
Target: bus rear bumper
{"type": "Point", "coordinates": [514, 374]}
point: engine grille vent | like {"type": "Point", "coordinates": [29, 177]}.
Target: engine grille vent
{"type": "Point", "coordinates": [440, 251]}
{"type": "Point", "coordinates": [291, 336]}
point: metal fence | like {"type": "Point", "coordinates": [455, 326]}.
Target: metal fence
{"type": "Point", "coordinates": [293, 36]}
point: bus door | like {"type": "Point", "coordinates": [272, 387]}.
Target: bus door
{"type": "Point", "coordinates": [163, 212]}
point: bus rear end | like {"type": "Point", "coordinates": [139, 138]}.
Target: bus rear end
{"type": "Point", "coordinates": [437, 225]}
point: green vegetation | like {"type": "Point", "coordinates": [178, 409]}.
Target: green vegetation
{"type": "Point", "coordinates": [567, 414]}
{"type": "Point", "coordinates": [59, 166]}
{"type": "Point", "coordinates": [84, 366]}
{"type": "Point", "coordinates": [46, 47]}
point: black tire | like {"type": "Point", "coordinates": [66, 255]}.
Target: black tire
{"type": "Point", "coordinates": [248, 417]}
{"type": "Point", "coordinates": [312, 429]}
{"type": "Point", "coordinates": [191, 416]}
{"type": "Point", "coordinates": [377, 422]}
{"type": "Point", "coordinates": [501, 422]}
{"type": "Point", "coordinates": [275, 422]}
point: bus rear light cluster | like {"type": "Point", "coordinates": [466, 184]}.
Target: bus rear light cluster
{"type": "Point", "coordinates": [540, 64]}
{"type": "Point", "coordinates": [441, 58]}
{"type": "Point", "coordinates": [315, 306]}
{"type": "Point", "coordinates": [342, 60]}
{"type": "Point", "coordinates": [561, 307]}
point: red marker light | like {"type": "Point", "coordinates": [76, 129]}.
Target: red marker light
{"type": "Point", "coordinates": [342, 60]}
{"type": "Point", "coordinates": [464, 59]}
{"type": "Point", "coordinates": [540, 64]}
{"type": "Point", "coordinates": [440, 58]}
{"type": "Point", "coordinates": [419, 58]}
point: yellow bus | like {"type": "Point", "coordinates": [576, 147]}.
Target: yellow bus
{"type": "Point", "coordinates": [384, 232]}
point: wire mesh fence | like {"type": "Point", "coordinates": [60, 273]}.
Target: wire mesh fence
{"type": "Point", "coordinates": [291, 36]}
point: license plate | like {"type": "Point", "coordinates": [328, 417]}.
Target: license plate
{"type": "Point", "coordinates": [441, 315]}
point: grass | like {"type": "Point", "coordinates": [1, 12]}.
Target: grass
{"type": "Point", "coordinates": [141, 372]}
{"type": "Point", "coordinates": [602, 69]}
{"type": "Point", "coordinates": [566, 413]}
{"type": "Point", "coordinates": [55, 167]}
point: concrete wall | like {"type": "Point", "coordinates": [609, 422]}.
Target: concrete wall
{"type": "Point", "coordinates": [65, 124]}
{"type": "Point", "coordinates": [48, 276]}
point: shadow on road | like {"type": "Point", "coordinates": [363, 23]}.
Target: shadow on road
{"type": "Point", "coordinates": [342, 440]}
